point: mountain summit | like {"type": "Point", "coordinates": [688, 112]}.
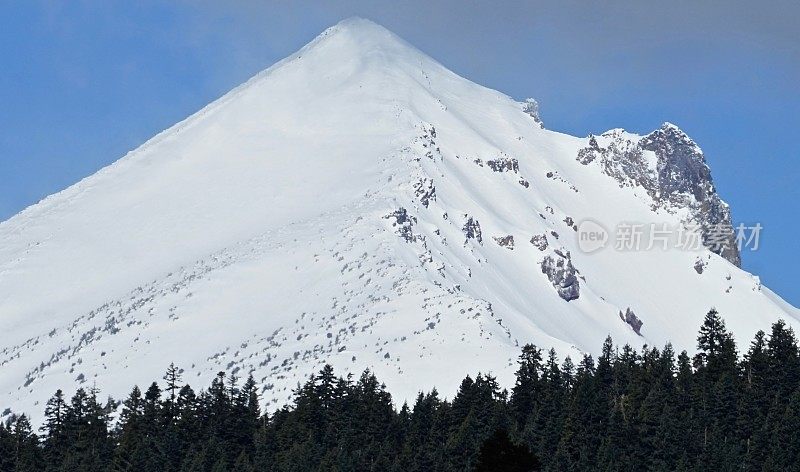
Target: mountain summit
{"type": "Point", "coordinates": [358, 204]}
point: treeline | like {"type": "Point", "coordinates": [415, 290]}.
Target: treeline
{"type": "Point", "coordinates": [625, 411]}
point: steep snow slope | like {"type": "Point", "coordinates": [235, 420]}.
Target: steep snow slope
{"type": "Point", "coordinates": [361, 205]}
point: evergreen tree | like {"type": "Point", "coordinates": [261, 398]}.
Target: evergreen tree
{"type": "Point", "coordinates": [783, 360]}
{"type": "Point", "coordinates": [173, 379]}
{"type": "Point", "coordinates": [543, 430]}
{"type": "Point", "coordinates": [8, 455]}
{"type": "Point", "coordinates": [585, 422]}
{"type": "Point", "coordinates": [498, 453]}
{"type": "Point", "coordinates": [55, 431]}
{"type": "Point", "coordinates": [86, 425]}
{"type": "Point", "coordinates": [26, 451]}
{"type": "Point", "coordinates": [785, 451]}
{"type": "Point", "coordinates": [717, 390]}
{"type": "Point", "coordinates": [717, 350]}
{"type": "Point", "coordinates": [526, 391]}
{"type": "Point", "coordinates": [755, 403]}
{"type": "Point", "coordinates": [152, 427]}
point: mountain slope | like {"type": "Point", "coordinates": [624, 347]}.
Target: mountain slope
{"type": "Point", "coordinates": [358, 204]}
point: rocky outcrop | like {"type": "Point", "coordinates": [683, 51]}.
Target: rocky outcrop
{"type": "Point", "coordinates": [425, 191]}
{"type": "Point", "coordinates": [531, 107]}
{"type": "Point", "coordinates": [685, 181]}
{"type": "Point", "coordinates": [562, 274]}
{"type": "Point", "coordinates": [428, 139]}
{"type": "Point", "coordinates": [539, 241]}
{"type": "Point", "coordinates": [675, 176]}
{"type": "Point", "coordinates": [632, 320]}
{"type": "Point", "coordinates": [621, 157]}
{"type": "Point", "coordinates": [558, 178]}
{"type": "Point", "coordinates": [404, 223]}
{"type": "Point", "coordinates": [505, 241]}
{"type": "Point", "coordinates": [504, 164]}
{"type": "Point", "coordinates": [472, 230]}
{"type": "Point", "coordinates": [700, 265]}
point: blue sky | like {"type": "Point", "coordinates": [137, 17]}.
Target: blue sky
{"type": "Point", "coordinates": [83, 82]}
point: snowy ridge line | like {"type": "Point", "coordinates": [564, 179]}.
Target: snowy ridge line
{"type": "Point", "coordinates": [203, 113]}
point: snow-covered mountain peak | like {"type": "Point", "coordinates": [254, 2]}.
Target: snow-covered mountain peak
{"type": "Point", "coordinates": [363, 32]}
{"type": "Point", "coordinates": [675, 136]}
{"type": "Point", "coordinates": [668, 127]}
{"type": "Point", "coordinates": [359, 204]}
{"type": "Point", "coordinates": [358, 46]}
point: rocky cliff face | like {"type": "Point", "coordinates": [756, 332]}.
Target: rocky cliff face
{"type": "Point", "coordinates": [562, 274]}
{"type": "Point", "coordinates": [671, 168]}
{"type": "Point", "coordinates": [684, 180]}
{"type": "Point", "coordinates": [620, 155]}
{"type": "Point", "coordinates": [531, 107]}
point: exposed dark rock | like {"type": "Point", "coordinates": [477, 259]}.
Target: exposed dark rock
{"type": "Point", "coordinates": [588, 154]}
{"type": "Point", "coordinates": [562, 274]}
{"type": "Point", "coordinates": [699, 265]}
{"type": "Point", "coordinates": [539, 241]}
{"type": "Point", "coordinates": [678, 178]}
{"type": "Point", "coordinates": [681, 165]}
{"type": "Point", "coordinates": [505, 241]}
{"type": "Point", "coordinates": [426, 258]}
{"type": "Point", "coordinates": [429, 142]}
{"type": "Point", "coordinates": [531, 107]}
{"type": "Point", "coordinates": [555, 176]}
{"type": "Point", "coordinates": [632, 320]}
{"type": "Point", "coordinates": [621, 158]}
{"type": "Point", "coordinates": [472, 230]}
{"type": "Point", "coordinates": [425, 191]}
{"type": "Point", "coordinates": [685, 181]}
{"type": "Point", "coordinates": [504, 164]}
{"type": "Point", "coordinates": [524, 183]}
{"type": "Point", "coordinates": [404, 222]}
